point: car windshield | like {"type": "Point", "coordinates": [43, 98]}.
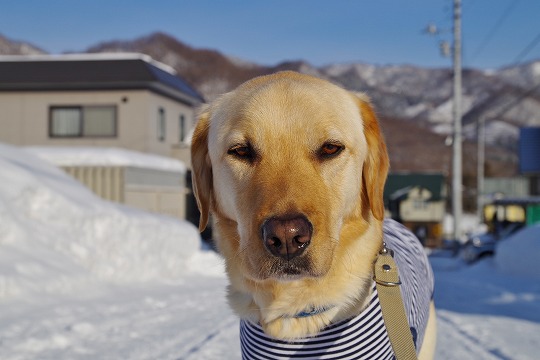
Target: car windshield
{"type": "Point", "coordinates": [509, 229]}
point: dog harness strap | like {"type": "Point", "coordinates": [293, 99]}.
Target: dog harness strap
{"type": "Point", "coordinates": [393, 311]}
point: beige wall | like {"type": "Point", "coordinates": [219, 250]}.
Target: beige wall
{"type": "Point", "coordinates": [146, 189]}
{"type": "Point", "coordinates": [24, 118]}
{"type": "Point", "coordinates": [182, 152]}
{"type": "Point", "coordinates": [173, 110]}
{"type": "Point", "coordinates": [166, 201]}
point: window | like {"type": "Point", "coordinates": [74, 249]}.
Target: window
{"type": "Point", "coordinates": [82, 121]}
{"type": "Point", "coordinates": [420, 204]}
{"type": "Point", "coordinates": [182, 128]}
{"type": "Point", "coordinates": [65, 122]}
{"type": "Point", "coordinates": [161, 124]}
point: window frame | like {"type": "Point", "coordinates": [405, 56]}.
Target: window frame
{"type": "Point", "coordinates": [161, 125]}
{"type": "Point", "coordinates": [81, 134]}
{"type": "Point", "coordinates": [182, 128]}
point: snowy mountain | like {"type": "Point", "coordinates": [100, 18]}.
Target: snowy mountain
{"type": "Point", "coordinates": [425, 96]}
{"type": "Point", "coordinates": [527, 76]}
{"type": "Point", "coordinates": [13, 47]}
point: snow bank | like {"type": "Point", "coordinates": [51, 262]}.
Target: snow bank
{"type": "Point", "coordinates": [469, 224]}
{"type": "Point", "coordinates": [519, 254]}
{"type": "Point", "coordinates": [55, 235]}
{"type": "Point", "coordinates": [95, 156]}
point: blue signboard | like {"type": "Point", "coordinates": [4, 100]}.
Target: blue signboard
{"type": "Point", "coordinates": [529, 150]}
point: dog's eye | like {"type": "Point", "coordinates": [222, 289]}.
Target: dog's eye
{"type": "Point", "coordinates": [241, 151]}
{"type": "Point", "coordinates": [330, 150]}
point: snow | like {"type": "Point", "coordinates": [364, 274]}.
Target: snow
{"type": "Point", "coordinates": [98, 156]}
{"type": "Point", "coordinates": [45, 208]}
{"type": "Point", "coordinates": [535, 69]}
{"type": "Point", "coordinates": [414, 110]}
{"type": "Point", "coordinates": [518, 255]}
{"type": "Point", "coordinates": [82, 278]}
{"type": "Point", "coordinates": [469, 225]}
{"type": "Point", "coordinates": [484, 313]}
{"type": "Point", "coordinates": [501, 131]}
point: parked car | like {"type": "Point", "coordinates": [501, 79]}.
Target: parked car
{"type": "Point", "coordinates": [482, 245]}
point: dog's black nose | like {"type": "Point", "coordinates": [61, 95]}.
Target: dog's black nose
{"type": "Point", "coordinates": [287, 237]}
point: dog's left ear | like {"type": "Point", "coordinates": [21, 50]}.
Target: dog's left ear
{"type": "Point", "coordinates": [376, 166]}
{"type": "Point", "coordinates": [202, 169]}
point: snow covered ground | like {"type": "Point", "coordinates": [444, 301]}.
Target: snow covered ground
{"type": "Point", "coordinates": [81, 278]}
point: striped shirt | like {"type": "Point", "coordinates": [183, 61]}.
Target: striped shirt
{"type": "Point", "coordinates": [363, 336]}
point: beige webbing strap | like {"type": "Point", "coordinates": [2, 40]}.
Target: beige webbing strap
{"type": "Point", "coordinates": [393, 310]}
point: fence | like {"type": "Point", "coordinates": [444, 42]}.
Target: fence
{"type": "Point", "coordinates": [158, 191]}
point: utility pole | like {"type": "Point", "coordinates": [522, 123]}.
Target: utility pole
{"type": "Point", "coordinates": [457, 204]}
{"type": "Point", "coordinates": [481, 160]}
{"type": "Point", "coordinates": [457, 174]}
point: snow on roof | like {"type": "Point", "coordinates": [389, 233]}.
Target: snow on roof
{"type": "Point", "coordinates": [90, 56]}
{"type": "Point", "coordinates": [97, 156]}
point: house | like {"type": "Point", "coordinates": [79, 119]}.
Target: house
{"type": "Point", "coordinates": [119, 101]}
{"type": "Point", "coordinates": [516, 201]}
{"type": "Point", "coordinates": [501, 212]}
{"type": "Point", "coordinates": [417, 200]}
{"type": "Point", "coordinates": [516, 186]}
{"type": "Point", "coordinates": [126, 101]}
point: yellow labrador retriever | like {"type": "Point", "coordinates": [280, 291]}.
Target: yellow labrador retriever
{"type": "Point", "coordinates": [292, 169]}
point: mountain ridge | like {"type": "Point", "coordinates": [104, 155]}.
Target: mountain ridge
{"type": "Point", "coordinates": [15, 47]}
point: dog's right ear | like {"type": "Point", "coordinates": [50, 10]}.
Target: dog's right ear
{"type": "Point", "coordinates": [375, 168]}
{"type": "Point", "coordinates": [202, 168]}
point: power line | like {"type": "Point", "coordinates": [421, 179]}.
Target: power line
{"type": "Point", "coordinates": [527, 49]}
{"type": "Point", "coordinates": [507, 11]}
{"type": "Point", "coordinates": [432, 29]}
{"type": "Point", "coordinates": [525, 94]}
{"type": "Point", "coordinates": [513, 102]}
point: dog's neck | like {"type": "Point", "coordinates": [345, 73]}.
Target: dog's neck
{"type": "Point", "coordinates": [312, 311]}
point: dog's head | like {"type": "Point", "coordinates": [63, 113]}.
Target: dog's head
{"type": "Point", "coordinates": [284, 163]}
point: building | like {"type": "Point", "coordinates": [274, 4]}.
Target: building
{"type": "Point", "coordinates": [417, 200]}
{"type": "Point", "coordinates": [126, 101]}
{"type": "Point", "coordinates": [122, 101]}
{"type": "Point", "coordinates": [149, 182]}
{"type": "Point", "coordinates": [529, 157]}
{"type": "Point", "coordinates": [517, 186]}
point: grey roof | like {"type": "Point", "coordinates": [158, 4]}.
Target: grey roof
{"type": "Point", "coordinates": [399, 184]}
{"type": "Point", "coordinates": [93, 72]}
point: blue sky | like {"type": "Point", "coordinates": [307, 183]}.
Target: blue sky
{"type": "Point", "coordinates": [495, 32]}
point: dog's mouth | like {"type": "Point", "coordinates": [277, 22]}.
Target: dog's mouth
{"type": "Point", "coordinates": [286, 270]}
{"type": "Point", "coordinates": [297, 267]}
